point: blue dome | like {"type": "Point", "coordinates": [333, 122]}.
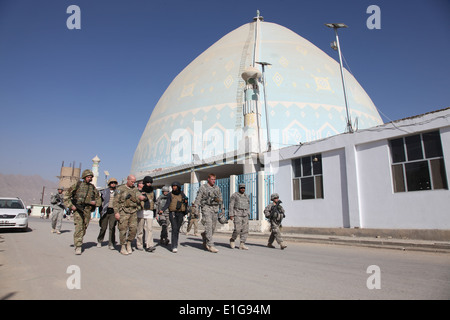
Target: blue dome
{"type": "Point", "coordinates": [304, 89]}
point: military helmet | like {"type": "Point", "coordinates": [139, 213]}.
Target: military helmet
{"type": "Point", "coordinates": [112, 180]}
{"type": "Point", "coordinates": [274, 196]}
{"type": "Point", "coordinates": [241, 185]}
{"type": "Point", "coordinates": [86, 173]}
{"type": "Point", "coordinates": [165, 188]}
{"type": "Point", "coordinates": [223, 218]}
{"type": "Point", "coordinates": [61, 188]}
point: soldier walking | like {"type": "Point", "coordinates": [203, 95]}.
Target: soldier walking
{"type": "Point", "coordinates": [209, 199]}
{"type": "Point", "coordinates": [163, 215]}
{"type": "Point", "coordinates": [239, 213]}
{"type": "Point", "coordinates": [107, 218]}
{"type": "Point", "coordinates": [194, 215]}
{"type": "Point", "coordinates": [57, 201]}
{"type": "Point", "coordinates": [82, 198]}
{"type": "Point", "coordinates": [126, 204]}
{"type": "Point", "coordinates": [275, 213]}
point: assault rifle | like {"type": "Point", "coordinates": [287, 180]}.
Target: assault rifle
{"type": "Point", "coordinates": [276, 212]}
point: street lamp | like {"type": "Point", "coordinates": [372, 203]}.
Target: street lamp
{"type": "Point", "coordinates": [336, 46]}
{"type": "Point", "coordinates": [106, 177]}
{"type": "Point", "coordinates": [263, 64]}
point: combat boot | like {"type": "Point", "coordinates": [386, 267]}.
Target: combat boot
{"type": "Point", "coordinates": [78, 250]}
{"type": "Point", "coordinates": [270, 245]}
{"type": "Point", "coordinates": [129, 250]}
{"type": "Point", "coordinates": [243, 246]}
{"type": "Point", "coordinates": [232, 243]}
{"type": "Point", "coordinates": [123, 250]}
{"type": "Point", "coordinates": [212, 249]}
{"type": "Point", "coordinates": [204, 240]}
{"type": "Point", "coordinates": [282, 246]}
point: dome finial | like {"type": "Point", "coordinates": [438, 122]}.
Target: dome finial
{"type": "Point", "coordinates": [258, 16]}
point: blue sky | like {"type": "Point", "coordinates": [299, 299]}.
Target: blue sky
{"type": "Point", "coordinates": [68, 95]}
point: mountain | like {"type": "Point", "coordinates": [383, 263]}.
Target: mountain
{"type": "Point", "coordinates": [28, 188]}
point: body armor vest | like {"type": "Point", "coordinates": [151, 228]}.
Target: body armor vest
{"type": "Point", "coordinates": [176, 203]}
{"type": "Point", "coordinates": [242, 202]}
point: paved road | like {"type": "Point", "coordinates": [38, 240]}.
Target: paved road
{"type": "Point", "coordinates": [41, 265]}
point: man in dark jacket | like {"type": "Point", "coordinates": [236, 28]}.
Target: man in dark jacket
{"type": "Point", "coordinates": [177, 203]}
{"type": "Point", "coordinates": [107, 214]}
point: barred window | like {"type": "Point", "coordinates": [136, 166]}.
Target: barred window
{"type": "Point", "coordinates": [308, 180]}
{"type": "Point", "coordinates": [418, 162]}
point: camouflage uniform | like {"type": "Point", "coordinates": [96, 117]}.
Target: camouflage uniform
{"type": "Point", "coordinates": [57, 201]}
{"type": "Point", "coordinates": [193, 220]}
{"type": "Point", "coordinates": [275, 217]}
{"type": "Point", "coordinates": [209, 200]}
{"type": "Point", "coordinates": [239, 209]}
{"type": "Point", "coordinates": [127, 204]}
{"type": "Point", "coordinates": [163, 219]}
{"type": "Point", "coordinates": [81, 194]}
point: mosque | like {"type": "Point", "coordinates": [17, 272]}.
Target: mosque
{"type": "Point", "coordinates": [266, 107]}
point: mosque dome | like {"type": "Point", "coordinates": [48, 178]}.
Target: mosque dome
{"type": "Point", "coordinates": [201, 112]}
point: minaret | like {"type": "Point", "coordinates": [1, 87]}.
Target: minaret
{"type": "Point", "coordinates": [251, 142]}
{"type": "Point", "coordinates": [96, 161]}
{"type": "Point", "coordinates": [251, 110]}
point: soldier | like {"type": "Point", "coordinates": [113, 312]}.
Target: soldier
{"type": "Point", "coordinates": [275, 213]}
{"type": "Point", "coordinates": [239, 213]}
{"type": "Point", "coordinates": [107, 218]}
{"type": "Point", "coordinates": [193, 220]}
{"type": "Point", "coordinates": [163, 215]}
{"type": "Point", "coordinates": [177, 203]}
{"type": "Point", "coordinates": [82, 198]}
{"type": "Point", "coordinates": [57, 201]}
{"type": "Point", "coordinates": [126, 204]}
{"type": "Point", "coordinates": [209, 199]}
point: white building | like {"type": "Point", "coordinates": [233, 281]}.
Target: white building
{"type": "Point", "coordinates": [390, 176]}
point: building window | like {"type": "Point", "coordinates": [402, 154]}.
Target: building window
{"type": "Point", "coordinates": [418, 162]}
{"type": "Point", "coordinates": [307, 182]}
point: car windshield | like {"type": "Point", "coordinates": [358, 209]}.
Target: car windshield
{"type": "Point", "coordinates": [10, 204]}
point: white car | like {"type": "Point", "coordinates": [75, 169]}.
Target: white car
{"type": "Point", "coordinates": [13, 214]}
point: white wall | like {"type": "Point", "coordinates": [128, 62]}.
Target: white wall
{"type": "Point", "coordinates": [357, 181]}
{"type": "Point", "coordinates": [332, 211]}
{"type": "Point", "coordinates": [381, 207]}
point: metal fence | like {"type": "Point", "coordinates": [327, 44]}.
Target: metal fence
{"type": "Point", "coordinates": [251, 188]}
{"type": "Point", "coordinates": [224, 186]}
